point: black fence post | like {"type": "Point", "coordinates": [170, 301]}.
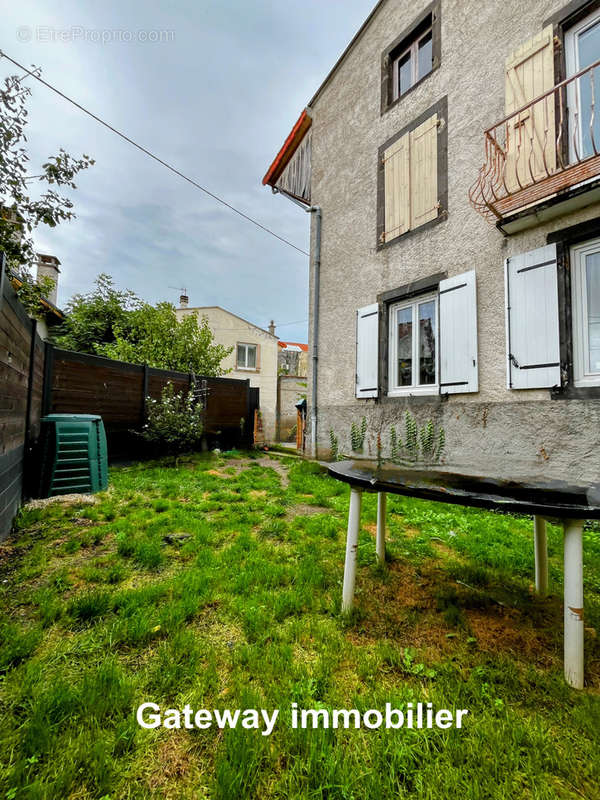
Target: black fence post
{"type": "Point", "coordinates": [30, 380]}
{"type": "Point", "coordinates": [144, 393]}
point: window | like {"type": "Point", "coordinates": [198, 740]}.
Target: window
{"type": "Point", "coordinates": [585, 264]}
{"type": "Point", "coordinates": [413, 351]}
{"type": "Point", "coordinates": [411, 57]}
{"type": "Point", "coordinates": [412, 65]}
{"type": "Point", "coordinates": [246, 356]}
{"type": "Point", "coordinates": [430, 329]}
{"type": "Point", "coordinates": [582, 46]}
{"type": "Point", "coordinates": [412, 186]}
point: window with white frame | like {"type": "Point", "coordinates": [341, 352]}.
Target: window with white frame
{"type": "Point", "coordinates": [246, 356]}
{"type": "Point", "coordinates": [585, 284]}
{"type": "Point", "coordinates": [413, 348]}
{"type": "Point", "coordinates": [413, 63]}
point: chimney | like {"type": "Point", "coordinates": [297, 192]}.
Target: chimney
{"type": "Point", "coordinates": [272, 328]}
{"type": "Point", "coordinates": [183, 301]}
{"type": "Point", "coordinates": [47, 267]}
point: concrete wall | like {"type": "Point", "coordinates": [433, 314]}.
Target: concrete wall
{"type": "Point", "coordinates": [495, 429]}
{"type": "Point", "coordinates": [230, 329]}
{"type": "Point", "coordinates": [291, 391]}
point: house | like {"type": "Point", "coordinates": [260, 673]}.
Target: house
{"type": "Point", "coordinates": [451, 164]}
{"type": "Point", "coordinates": [253, 357]}
{"type": "Point", "coordinates": [292, 359]}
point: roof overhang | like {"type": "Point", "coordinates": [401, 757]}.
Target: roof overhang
{"type": "Point", "coordinates": [290, 146]}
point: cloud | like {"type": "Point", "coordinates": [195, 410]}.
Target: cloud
{"type": "Point", "coordinates": [217, 101]}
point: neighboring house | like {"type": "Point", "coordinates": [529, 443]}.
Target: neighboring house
{"type": "Point", "coordinates": [293, 359]}
{"type": "Point", "coordinates": [49, 315]}
{"type": "Point", "coordinates": [452, 155]}
{"type": "Point", "coordinates": [254, 355]}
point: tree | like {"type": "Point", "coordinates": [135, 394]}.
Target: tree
{"type": "Point", "coordinates": [153, 335]}
{"type": "Point", "coordinates": [20, 213]}
{"type": "Point", "coordinates": [91, 319]}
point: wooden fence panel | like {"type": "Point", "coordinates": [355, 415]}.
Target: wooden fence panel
{"type": "Point", "coordinates": [21, 375]}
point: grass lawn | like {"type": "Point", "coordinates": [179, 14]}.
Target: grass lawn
{"type": "Point", "coordinates": [217, 582]}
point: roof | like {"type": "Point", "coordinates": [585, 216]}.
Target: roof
{"type": "Point", "coordinates": [231, 314]}
{"type": "Point", "coordinates": [297, 133]}
{"type": "Point", "coordinates": [49, 308]}
{"type": "Point", "coordinates": [290, 146]}
{"type": "Point", "coordinates": [293, 346]}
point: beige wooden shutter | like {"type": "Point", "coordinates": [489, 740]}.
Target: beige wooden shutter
{"type": "Point", "coordinates": [396, 168]}
{"type": "Point", "coordinates": [423, 172]}
{"type": "Point", "coordinates": [531, 135]}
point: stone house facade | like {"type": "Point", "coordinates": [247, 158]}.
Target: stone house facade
{"type": "Point", "coordinates": [450, 159]}
{"type": "Point", "coordinates": [253, 357]}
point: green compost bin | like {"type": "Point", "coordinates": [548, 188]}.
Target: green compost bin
{"type": "Point", "coordinates": [74, 457]}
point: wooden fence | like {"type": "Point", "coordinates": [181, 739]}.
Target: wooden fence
{"type": "Point", "coordinates": [21, 389]}
{"type": "Point", "coordinates": [38, 379]}
{"type": "Point", "coordinates": [76, 383]}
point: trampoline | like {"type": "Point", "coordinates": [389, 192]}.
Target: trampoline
{"type": "Point", "coordinates": [569, 504]}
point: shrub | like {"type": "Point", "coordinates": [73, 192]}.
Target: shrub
{"type": "Point", "coordinates": [174, 422]}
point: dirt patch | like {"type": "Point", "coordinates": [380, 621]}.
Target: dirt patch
{"type": "Point", "coordinates": [302, 510]}
{"type": "Point", "coordinates": [172, 761]}
{"type": "Point", "coordinates": [274, 464]}
{"type": "Point", "coordinates": [503, 630]}
{"type": "Point", "coordinates": [258, 494]}
{"type": "Point", "coordinates": [62, 500]}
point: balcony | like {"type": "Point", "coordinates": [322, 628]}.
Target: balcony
{"type": "Point", "coordinates": [543, 159]}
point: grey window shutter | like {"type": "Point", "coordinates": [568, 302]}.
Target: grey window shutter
{"type": "Point", "coordinates": [367, 351]}
{"type": "Point", "coordinates": [458, 334]}
{"type": "Point", "coordinates": [532, 325]}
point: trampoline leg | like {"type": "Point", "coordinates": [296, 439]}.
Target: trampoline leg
{"type": "Point", "coordinates": [351, 548]}
{"type": "Point", "coordinates": [573, 633]}
{"type": "Point", "coordinates": [541, 556]}
{"type": "Point", "coordinates": [380, 543]}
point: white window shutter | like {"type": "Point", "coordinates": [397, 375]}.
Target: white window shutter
{"type": "Point", "coordinates": [367, 351]}
{"type": "Point", "coordinates": [458, 334]}
{"type": "Point", "coordinates": [532, 326]}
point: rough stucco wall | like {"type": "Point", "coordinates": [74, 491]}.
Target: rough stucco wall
{"type": "Point", "coordinates": [525, 431]}
{"type": "Point", "coordinates": [229, 330]}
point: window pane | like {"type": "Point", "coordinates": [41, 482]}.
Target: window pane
{"type": "Point", "coordinates": [251, 357]}
{"type": "Point", "coordinates": [592, 276]}
{"type": "Point", "coordinates": [241, 355]}
{"type": "Point", "coordinates": [424, 62]}
{"type": "Point", "coordinates": [405, 343]}
{"type": "Point", "coordinates": [588, 46]}
{"type": "Point", "coordinates": [427, 342]}
{"type": "Point", "coordinates": [404, 73]}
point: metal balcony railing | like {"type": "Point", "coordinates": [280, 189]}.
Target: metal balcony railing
{"type": "Point", "coordinates": [550, 144]}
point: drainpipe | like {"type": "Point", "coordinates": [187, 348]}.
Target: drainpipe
{"type": "Point", "coordinates": [316, 267]}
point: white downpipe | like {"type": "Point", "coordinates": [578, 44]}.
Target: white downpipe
{"type": "Point", "coordinates": [351, 548]}
{"type": "Point", "coordinates": [380, 543]}
{"type": "Point", "coordinates": [541, 556]}
{"type": "Point", "coordinates": [573, 573]}
{"type": "Point", "coordinates": [316, 268]}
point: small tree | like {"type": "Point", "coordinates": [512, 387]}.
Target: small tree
{"type": "Point", "coordinates": [91, 319]}
{"type": "Point", "coordinates": [20, 213]}
{"type": "Point", "coordinates": [153, 335]}
{"type": "Point", "coordinates": [174, 422]}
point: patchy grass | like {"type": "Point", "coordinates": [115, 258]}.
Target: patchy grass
{"type": "Point", "coordinates": [217, 582]}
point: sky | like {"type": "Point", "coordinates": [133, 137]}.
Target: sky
{"type": "Point", "coordinates": [213, 88]}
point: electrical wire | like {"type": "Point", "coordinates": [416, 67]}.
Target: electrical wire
{"type": "Point", "coordinates": [151, 154]}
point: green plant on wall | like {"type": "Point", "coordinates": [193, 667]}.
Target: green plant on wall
{"type": "Point", "coordinates": [424, 444]}
{"type": "Point", "coordinates": [333, 445]}
{"type": "Point", "coordinates": [357, 435]}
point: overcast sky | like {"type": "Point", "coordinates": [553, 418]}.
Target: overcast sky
{"type": "Point", "coordinates": [216, 98]}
